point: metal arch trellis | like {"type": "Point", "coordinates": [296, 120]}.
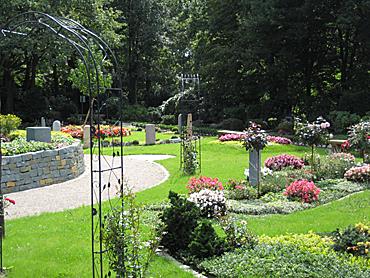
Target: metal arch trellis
{"type": "Point", "coordinates": [106, 175]}
{"type": "Point", "coordinates": [195, 140]}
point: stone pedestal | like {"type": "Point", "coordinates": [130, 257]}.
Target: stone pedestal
{"type": "Point", "coordinates": [56, 126]}
{"type": "Point", "coordinates": [41, 134]}
{"type": "Point", "coordinates": [150, 134]}
{"type": "Point", "coordinates": [86, 137]}
{"type": "Point", "coordinates": [254, 167]}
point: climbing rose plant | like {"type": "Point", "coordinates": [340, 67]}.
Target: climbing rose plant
{"type": "Point", "coordinates": [359, 138]}
{"type": "Point", "coordinates": [277, 163]}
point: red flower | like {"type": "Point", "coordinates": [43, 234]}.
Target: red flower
{"type": "Point", "coordinates": [10, 200]}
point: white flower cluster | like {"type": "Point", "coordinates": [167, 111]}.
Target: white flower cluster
{"type": "Point", "coordinates": [211, 202]}
{"type": "Point", "coordinates": [264, 172]}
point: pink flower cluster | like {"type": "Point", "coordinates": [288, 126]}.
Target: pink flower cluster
{"type": "Point", "coordinates": [304, 190]}
{"type": "Point", "coordinates": [198, 184]}
{"type": "Point", "coordinates": [279, 140]}
{"type": "Point", "coordinates": [343, 156]}
{"type": "Point", "coordinates": [359, 174]}
{"type": "Point", "coordinates": [231, 137]}
{"type": "Point", "coordinates": [276, 163]}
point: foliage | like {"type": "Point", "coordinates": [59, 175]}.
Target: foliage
{"type": "Point", "coordinates": [198, 184]}
{"type": "Point", "coordinates": [239, 190]}
{"type": "Point", "coordinates": [129, 254]}
{"type": "Point", "coordinates": [285, 127]}
{"type": "Point", "coordinates": [169, 119]}
{"type": "Point", "coordinates": [211, 203]}
{"type": "Point", "coordinates": [180, 220]}
{"type": "Point", "coordinates": [205, 241]}
{"type": "Point", "coordinates": [254, 138]}
{"type": "Point", "coordinates": [359, 174]}
{"type": "Point", "coordinates": [341, 120]}
{"type": "Point", "coordinates": [232, 124]}
{"type": "Point", "coordinates": [277, 163]}
{"type": "Point", "coordinates": [280, 260]}
{"type": "Point", "coordinates": [9, 123]}
{"type": "Point", "coordinates": [354, 240]}
{"type": "Point", "coordinates": [334, 166]}
{"type": "Point", "coordinates": [237, 234]}
{"type": "Point", "coordinates": [20, 145]}
{"type": "Point", "coordinates": [190, 157]}
{"type": "Point", "coordinates": [359, 137]}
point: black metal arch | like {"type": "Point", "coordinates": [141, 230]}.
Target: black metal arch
{"type": "Point", "coordinates": [82, 40]}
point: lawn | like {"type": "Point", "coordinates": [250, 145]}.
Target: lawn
{"type": "Point", "coordinates": [58, 244]}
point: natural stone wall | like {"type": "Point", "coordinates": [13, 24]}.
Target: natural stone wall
{"type": "Point", "coordinates": [32, 170]}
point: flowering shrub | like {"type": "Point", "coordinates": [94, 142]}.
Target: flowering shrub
{"type": "Point", "coordinates": [104, 132]}
{"type": "Point", "coordinates": [277, 163]}
{"type": "Point", "coordinates": [210, 202]}
{"type": "Point", "coordinates": [254, 138]}
{"type": "Point", "coordinates": [240, 190]}
{"type": "Point", "coordinates": [335, 165]}
{"type": "Point", "coordinates": [304, 190]}
{"type": "Point", "coordinates": [359, 138]}
{"type": "Point", "coordinates": [279, 140]}
{"type": "Point", "coordinates": [313, 134]}
{"type": "Point", "coordinates": [345, 146]}
{"type": "Point", "coordinates": [74, 131]}
{"type": "Point", "coordinates": [359, 174]}
{"type": "Point", "coordinates": [354, 240]}
{"type": "Point", "coordinates": [231, 137]}
{"type": "Point", "coordinates": [9, 123]}
{"type": "Point", "coordinates": [197, 184]}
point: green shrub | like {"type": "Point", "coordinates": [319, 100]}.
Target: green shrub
{"type": "Point", "coordinates": [9, 123]}
{"type": "Point", "coordinates": [169, 119]}
{"type": "Point", "coordinates": [238, 234]}
{"type": "Point", "coordinates": [17, 134]}
{"type": "Point", "coordinates": [190, 159]}
{"type": "Point", "coordinates": [280, 260]}
{"type": "Point", "coordinates": [205, 241]}
{"type": "Point", "coordinates": [341, 120]}
{"type": "Point", "coordinates": [232, 124]}
{"type": "Point", "coordinates": [334, 166]}
{"type": "Point", "coordinates": [354, 240]}
{"type": "Point", "coordinates": [285, 127]}
{"type": "Point", "coordinates": [180, 220]}
{"type": "Point", "coordinates": [240, 190]}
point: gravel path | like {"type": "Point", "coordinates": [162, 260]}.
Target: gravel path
{"type": "Point", "coordinates": [140, 171]}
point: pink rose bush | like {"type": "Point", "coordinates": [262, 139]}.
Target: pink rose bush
{"type": "Point", "coordinates": [230, 137]}
{"type": "Point", "coordinates": [197, 184]}
{"type": "Point", "coordinates": [277, 163]}
{"type": "Point", "coordinates": [304, 190]}
{"type": "Point", "coordinates": [343, 156]}
{"type": "Point", "coordinates": [358, 174]}
{"type": "Point", "coordinates": [279, 140]}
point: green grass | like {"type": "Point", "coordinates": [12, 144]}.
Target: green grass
{"type": "Point", "coordinates": [58, 244]}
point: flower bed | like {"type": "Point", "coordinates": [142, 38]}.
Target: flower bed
{"type": "Point", "coordinates": [277, 163]}
{"type": "Point", "coordinates": [279, 140]}
{"type": "Point", "coordinates": [104, 132]}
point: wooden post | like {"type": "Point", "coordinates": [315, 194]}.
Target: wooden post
{"type": "Point", "coordinates": [190, 126]}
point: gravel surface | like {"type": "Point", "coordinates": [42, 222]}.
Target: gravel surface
{"type": "Point", "coordinates": [140, 172]}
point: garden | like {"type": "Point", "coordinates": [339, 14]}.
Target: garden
{"type": "Point", "coordinates": [161, 138]}
{"type": "Point", "coordinates": [308, 215]}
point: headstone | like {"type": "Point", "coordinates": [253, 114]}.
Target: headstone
{"type": "Point", "coordinates": [254, 167]}
{"type": "Point", "coordinates": [190, 125]}
{"type": "Point", "coordinates": [179, 123]}
{"type": "Point", "coordinates": [149, 134]}
{"type": "Point", "coordinates": [86, 137]}
{"type": "Point", "coordinates": [56, 126]}
{"type": "Point", "coordinates": [41, 134]}
{"type": "Point", "coordinates": [43, 122]}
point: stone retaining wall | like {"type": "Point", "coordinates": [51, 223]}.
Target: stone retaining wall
{"type": "Point", "coordinates": [32, 170]}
